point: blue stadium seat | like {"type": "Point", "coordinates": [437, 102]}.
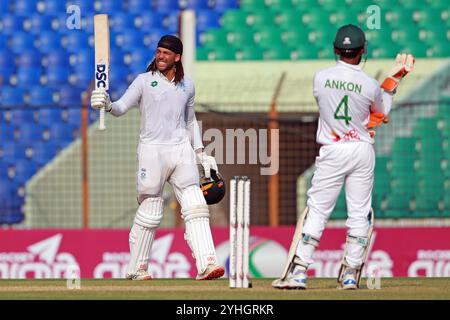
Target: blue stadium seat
{"type": "Point", "coordinates": [6, 73]}
{"type": "Point", "coordinates": [59, 58]}
{"type": "Point", "coordinates": [148, 21]}
{"type": "Point", "coordinates": [30, 58]}
{"type": "Point", "coordinates": [25, 7]}
{"type": "Point", "coordinates": [73, 116]}
{"type": "Point", "coordinates": [30, 133]}
{"type": "Point", "coordinates": [23, 170]}
{"type": "Point", "coordinates": [10, 152]}
{"type": "Point", "coordinates": [115, 91]}
{"type": "Point", "coordinates": [207, 19]}
{"type": "Point", "coordinates": [49, 116]}
{"type": "Point", "coordinates": [194, 4]}
{"type": "Point", "coordinates": [40, 97]}
{"type": "Point", "coordinates": [6, 59]}
{"type": "Point", "coordinates": [62, 132]}
{"type": "Point", "coordinates": [10, 211]}
{"type": "Point", "coordinates": [49, 42]}
{"type": "Point", "coordinates": [121, 21]}
{"type": "Point", "coordinates": [69, 96]}
{"type": "Point", "coordinates": [110, 7]}
{"type": "Point", "coordinates": [57, 75]}
{"type": "Point", "coordinates": [12, 24]}
{"type": "Point", "coordinates": [3, 41]}
{"type": "Point", "coordinates": [130, 39]}
{"type": "Point", "coordinates": [170, 21]}
{"type": "Point", "coordinates": [43, 152]}
{"type": "Point", "coordinates": [52, 7]}
{"type": "Point", "coordinates": [38, 23]}
{"type": "Point", "coordinates": [75, 40]}
{"type": "Point", "coordinates": [84, 57]}
{"type": "Point", "coordinates": [119, 74]}
{"type": "Point", "coordinates": [11, 96]}
{"type": "Point", "coordinates": [21, 42]}
{"type": "Point", "coordinates": [6, 131]}
{"type": "Point", "coordinates": [117, 57]}
{"type": "Point", "coordinates": [139, 6]}
{"type": "Point", "coordinates": [86, 6]}
{"type": "Point", "coordinates": [139, 60]}
{"type": "Point", "coordinates": [166, 5]}
{"type": "Point", "coordinates": [4, 171]}
{"type": "Point", "coordinates": [151, 39]}
{"type": "Point", "coordinates": [27, 77]}
{"type": "Point", "coordinates": [20, 117]}
{"type": "Point", "coordinates": [5, 5]}
{"type": "Point", "coordinates": [84, 74]}
{"type": "Point", "coordinates": [222, 5]}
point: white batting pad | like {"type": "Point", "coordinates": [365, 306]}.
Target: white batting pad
{"type": "Point", "coordinates": [148, 218]}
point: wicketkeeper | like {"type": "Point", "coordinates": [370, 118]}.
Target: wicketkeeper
{"type": "Point", "coordinates": [170, 145]}
{"type": "Point", "coordinates": [350, 105]}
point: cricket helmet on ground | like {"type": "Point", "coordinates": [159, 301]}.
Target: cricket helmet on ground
{"type": "Point", "coordinates": [213, 188]}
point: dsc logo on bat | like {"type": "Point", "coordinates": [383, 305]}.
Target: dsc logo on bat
{"type": "Point", "coordinates": [101, 76]}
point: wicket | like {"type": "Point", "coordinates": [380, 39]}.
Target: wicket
{"type": "Point", "coordinates": [239, 232]}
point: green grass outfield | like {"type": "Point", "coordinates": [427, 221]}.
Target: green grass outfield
{"type": "Point", "coordinates": [187, 289]}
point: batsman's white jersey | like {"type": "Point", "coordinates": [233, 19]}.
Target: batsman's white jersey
{"type": "Point", "coordinates": [345, 96]}
{"type": "Point", "coordinates": [169, 131]}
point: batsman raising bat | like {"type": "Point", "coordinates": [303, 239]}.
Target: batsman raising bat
{"type": "Point", "coordinates": [350, 104]}
{"type": "Point", "coordinates": [170, 145]}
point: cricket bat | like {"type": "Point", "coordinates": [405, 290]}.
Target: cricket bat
{"type": "Point", "coordinates": [101, 39]}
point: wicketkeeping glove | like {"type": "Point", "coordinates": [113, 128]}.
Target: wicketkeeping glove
{"type": "Point", "coordinates": [404, 65]}
{"type": "Point", "coordinates": [100, 99]}
{"type": "Point", "coordinates": [375, 120]}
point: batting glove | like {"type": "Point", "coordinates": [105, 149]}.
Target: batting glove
{"type": "Point", "coordinates": [207, 163]}
{"type": "Point", "coordinates": [100, 99]}
{"type": "Point", "coordinates": [404, 65]}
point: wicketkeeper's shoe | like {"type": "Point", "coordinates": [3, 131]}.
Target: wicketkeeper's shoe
{"type": "Point", "coordinates": [295, 280]}
{"type": "Point", "coordinates": [141, 274]}
{"type": "Point", "coordinates": [211, 272]}
{"type": "Point", "coordinates": [349, 280]}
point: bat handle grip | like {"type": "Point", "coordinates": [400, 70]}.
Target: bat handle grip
{"type": "Point", "coordinates": [101, 123]}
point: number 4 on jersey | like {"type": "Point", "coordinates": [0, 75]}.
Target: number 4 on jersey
{"type": "Point", "coordinates": [338, 113]}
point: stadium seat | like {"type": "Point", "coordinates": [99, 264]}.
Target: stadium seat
{"type": "Point", "coordinates": [27, 77]}
{"type": "Point", "coordinates": [62, 132]}
{"type": "Point", "coordinates": [52, 7]}
{"type": "Point", "coordinates": [397, 206]}
{"type": "Point", "coordinates": [86, 6]}
{"type": "Point", "coordinates": [217, 53]}
{"type": "Point", "coordinates": [110, 7]}
{"type": "Point", "coordinates": [382, 184]}
{"type": "Point", "coordinates": [5, 5]}
{"type": "Point", "coordinates": [21, 42]}
{"type": "Point", "coordinates": [49, 42]}
{"type": "Point", "coordinates": [122, 21]}
{"type": "Point", "coordinates": [268, 37]}
{"type": "Point", "coordinates": [165, 5]}
{"type": "Point", "coordinates": [30, 58]}
{"type": "Point", "coordinates": [207, 19]}
{"type": "Point", "coordinates": [11, 96]}
{"type": "Point", "coordinates": [11, 24]}
{"type": "Point", "coordinates": [438, 50]}
{"type": "Point", "coordinates": [75, 40]}
{"type": "Point", "coordinates": [148, 21]}
{"type": "Point", "coordinates": [38, 23]}
{"type": "Point", "coordinates": [48, 116]}
{"type": "Point", "coordinates": [23, 170]}
{"type": "Point", "coordinates": [3, 41]}
{"type": "Point", "coordinates": [128, 39]}
{"type": "Point", "coordinates": [261, 18]}
{"type": "Point", "coordinates": [249, 53]}
{"type": "Point", "coordinates": [139, 59]}
{"type": "Point", "coordinates": [40, 97]}
{"type": "Point", "coordinates": [20, 117]}
{"type": "Point", "coordinates": [116, 91]}
{"type": "Point", "coordinates": [194, 4]}
{"type": "Point", "coordinates": [25, 7]}
{"type": "Point", "coordinates": [10, 211]}
{"type": "Point", "coordinates": [6, 59]}
{"type": "Point", "coordinates": [30, 133]}
{"type": "Point", "coordinates": [295, 37]}
{"type": "Point", "coordinates": [73, 116]}
{"type": "Point", "coordinates": [83, 57]}
{"type": "Point", "coordinates": [277, 53]}
{"type": "Point", "coordinates": [82, 76]}
{"type": "Point", "coordinates": [236, 19]}
{"type": "Point", "coordinates": [223, 5]}
{"type": "Point", "coordinates": [43, 152]}
{"type": "Point", "coordinates": [426, 128]}
{"type": "Point", "coordinates": [55, 76]}
{"type": "Point", "coordinates": [119, 74]}
{"type": "Point", "coordinates": [170, 22]}
{"type": "Point", "coordinates": [11, 152]}
{"type": "Point", "coordinates": [6, 132]}
{"type": "Point", "coordinates": [69, 96]}
{"type": "Point", "coordinates": [240, 38]}
{"type": "Point", "coordinates": [139, 6]}
{"type": "Point", "coordinates": [59, 58]}
{"type": "Point", "coordinates": [304, 52]}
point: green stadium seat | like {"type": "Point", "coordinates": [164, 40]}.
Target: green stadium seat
{"type": "Point", "coordinates": [428, 17]}
{"type": "Point", "coordinates": [322, 38]}
{"type": "Point", "coordinates": [378, 37]}
{"type": "Point", "coordinates": [408, 185]}
{"type": "Point", "coordinates": [377, 201]}
{"type": "Point", "coordinates": [221, 53]}
{"type": "Point", "coordinates": [439, 49]}
{"type": "Point", "coordinates": [399, 18]}
{"type": "Point", "coordinates": [253, 4]}
{"type": "Point", "coordinates": [304, 53]}
{"type": "Point", "coordinates": [278, 5]}
{"type": "Point", "coordinates": [249, 53]}
{"type": "Point", "coordinates": [417, 48]}
{"type": "Point", "coordinates": [268, 37]}
{"type": "Point", "coordinates": [382, 164]}
{"type": "Point", "coordinates": [214, 38]}
{"type": "Point", "coordinates": [405, 36]}
{"type": "Point", "coordinates": [429, 167]}
{"type": "Point", "coordinates": [402, 167]}
{"type": "Point", "coordinates": [386, 50]}
{"type": "Point", "coordinates": [339, 17]}
{"type": "Point", "coordinates": [446, 202]}
{"type": "Point", "coordinates": [295, 37]}
{"type": "Point", "coordinates": [314, 19]}
{"type": "Point", "coordinates": [426, 127]}
{"type": "Point", "coordinates": [288, 18]}
{"type": "Point", "coordinates": [261, 18]}
{"type": "Point", "coordinates": [397, 206]}
{"type": "Point", "coordinates": [444, 108]}
{"type": "Point", "coordinates": [277, 53]}
{"type": "Point", "coordinates": [382, 184]}
{"type": "Point", "coordinates": [445, 128]}
{"type": "Point", "coordinates": [241, 38]}
{"type": "Point", "coordinates": [411, 4]}
{"type": "Point", "coordinates": [305, 4]}
{"type": "Point", "coordinates": [431, 149]}
{"type": "Point", "coordinates": [236, 19]}
{"type": "Point", "coordinates": [404, 145]}
{"type": "Point", "coordinates": [326, 52]}
{"type": "Point", "coordinates": [202, 54]}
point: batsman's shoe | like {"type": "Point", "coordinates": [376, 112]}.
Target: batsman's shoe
{"type": "Point", "coordinates": [295, 280]}
{"type": "Point", "coordinates": [211, 272]}
{"type": "Point", "coordinates": [141, 274]}
{"type": "Point", "coordinates": [349, 280]}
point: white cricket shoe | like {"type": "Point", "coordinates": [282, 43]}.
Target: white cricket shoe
{"type": "Point", "coordinates": [295, 280]}
{"type": "Point", "coordinates": [141, 274]}
{"type": "Point", "coordinates": [211, 272]}
{"type": "Point", "coordinates": [349, 280]}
